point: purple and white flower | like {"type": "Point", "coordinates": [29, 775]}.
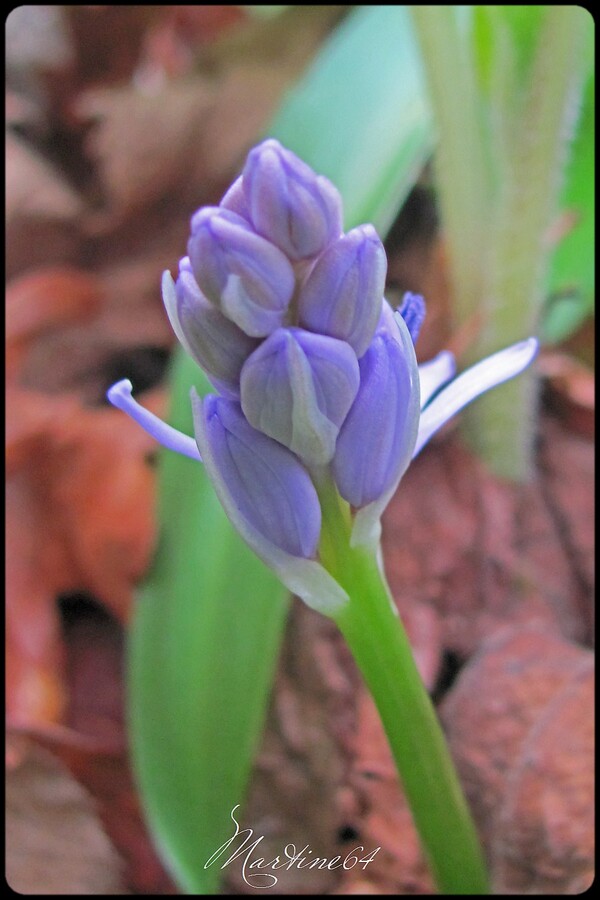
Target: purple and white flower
{"type": "Point", "coordinates": [317, 378]}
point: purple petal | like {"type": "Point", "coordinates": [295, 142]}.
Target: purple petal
{"type": "Point", "coordinates": [297, 388]}
{"type": "Point", "coordinates": [235, 200]}
{"type": "Point", "coordinates": [296, 209]}
{"type": "Point", "coordinates": [413, 311]}
{"type": "Point", "coordinates": [343, 293]}
{"type": "Point", "coordinates": [376, 440]}
{"type": "Point", "coordinates": [215, 342]}
{"type": "Point", "coordinates": [246, 276]}
{"type": "Point", "coordinates": [269, 499]}
{"type": "Point", "coordinates": [268, 485]}
{"type": "Point", "coordinates": [475, 381]}
{"type": "Point", "coordinates": [120, 396]}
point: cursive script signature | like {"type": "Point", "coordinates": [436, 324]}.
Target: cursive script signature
{"type": "Point", "coordinates": [301, 859]}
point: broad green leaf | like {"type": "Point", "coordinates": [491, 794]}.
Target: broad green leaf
{"type": "Point", "coordinates": [203, 646]}
{"type": "Point", "coordinates": [209, 619]}
{"type": "Point", "coordinates": [361, 116]}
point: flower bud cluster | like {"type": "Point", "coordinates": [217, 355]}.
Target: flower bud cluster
{"type": "Point", "coordinates": [286, 315]}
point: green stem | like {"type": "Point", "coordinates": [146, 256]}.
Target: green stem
{"type": "Point", "coordinates": [460, 164]}
{"type": "Point", "coordinates": [502, 428]}
{"type": "Point", "coordinates": [498, 190]}
{"type": "Point", "coordinates": [376, 637]}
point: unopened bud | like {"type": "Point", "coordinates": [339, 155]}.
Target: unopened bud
{"type": "Point", "coordinates": [245, 275]}
{"type": "Point", "coordinates": [376, 441]}
{"type": "Point", "coordinates": [262, 485]}
{"type": "Point", "coordinates": [235, 200]}
{"type": "Point", "coordinates": [218, 346]}
{"type": "Point", "coordinates": [343, 293]}
{"type": "Point", "coordinates": [297, 387]}
{"type": "Point", "coordinates": [292, 206]}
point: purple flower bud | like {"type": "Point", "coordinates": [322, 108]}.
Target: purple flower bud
{"type": "Point", "coordinates": [413, 312]}
{"type": "Point", "coordinates": [212, 340]}
{"type": "Point", "coordinates": [246, 276]}
{"type": "Point", "coordinates": [265, 490]}
{"type": "Point", "coordinates": [296, 209]}
{"type": "Point", "coordinates": [235, 200]}
{"type": "Point", "coordinates": [375, 443]}
{"type": "Point", "coordinates": [297, 387]}
{"type": "Point", "coordinates": [343, 293]}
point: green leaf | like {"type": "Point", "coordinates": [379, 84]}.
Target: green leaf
{"type": "Point", "coordinates": [571, 283]}
{"type": "Point", "coordinates": [361, 116]}
{"type": "Point", "coordinates": [209, 619]}
{"type": "Point", "coordinates": [203, 645]}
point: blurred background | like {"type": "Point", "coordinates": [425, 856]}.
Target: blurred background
{"type": "Point", "coordinates": [120, 122]}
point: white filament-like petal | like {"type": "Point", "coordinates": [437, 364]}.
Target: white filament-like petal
{"type": "Point", "coordinates": [120, 396]}
{"type": "Point", "coordinates": [470, 384]}
{"type": "Point", "coordinates": [434, 374]}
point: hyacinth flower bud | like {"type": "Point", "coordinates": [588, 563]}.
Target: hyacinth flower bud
{"type": "Point", "coordinates": [218, 346]}
{"type": "Point", "coordinates": [235, 200]}
{"type": "Point", "coordinates": [269, 498]}
{"type": "Point", "coordinates": [376, 441]}
{"type": "Point", "coordinates": [246, 276]}
{"type": "Point", "coordinates": [292, 206]}
{"type": "Point", "coordinates": [343, 293]}
{"type": "Point", "coordinates": [298, 387]}
{"type": "Point", "coordinates": [412, 309]}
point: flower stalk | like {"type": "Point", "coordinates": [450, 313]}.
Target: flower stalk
{"type": "Point", "coordinates": [320, 407]}
{"type": "Point", "coordinates": [377, 639]}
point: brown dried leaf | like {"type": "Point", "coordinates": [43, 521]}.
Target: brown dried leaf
{"type": "Point", "coordinates": [571, 390]}
{"type": "Point", "coordinates": [483, 552]}
{"type": "Point", "coordinates": [386, 821]}
{"type": "Point", "coordinates": [145, 144]}
{"type": "Point", "coordinates": [80, 518]}
{"type": "Point", "coordinates": [54, 842]}
{"type": "Point", "coordinates": [518, 721]}
{"type": "Point", "coordinates": [34, 189]}
{"type": "Point", "coordinates": [43, 300]}
{"type": "Point", "coordinates": [42, 211]}
{"type": "Point", "coordinates": [545, 839]}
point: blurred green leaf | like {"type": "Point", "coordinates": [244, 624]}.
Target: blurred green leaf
{"type": "Point", "coordinates": [209, 619]}
{"type": "Point", "coordinates": [361, 116]}
{"type": "Point", "coordinates": [571, 284]}
{"type": "Point", "coordinates": [203, 646]}
{"type": "Point", "coordinates": [263, 12]}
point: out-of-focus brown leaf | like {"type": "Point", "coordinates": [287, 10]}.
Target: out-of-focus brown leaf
{"type": "Point", "coordinates": [484, 552]}
{"type": "Point", "coordinates": [41, 301]}
{"type": "Point", "coordinates": [172, 45]}
{"type": "Point", "coordinates": [37, 40]}
{"type": "Point", "coordinates": [519, 724]}
{"type": "Point", "coordinates": [80, 518]}
{"type": "Point", "coordinates": [298, 793]}
{"type": "Point", "coordinates": [545, 840]}
{"type": "Point", "coordinates": [42, 211]}
{"type": "Point", "coordinates": [54, 841]}
{"type": "Point", "coordinates": [155, 138]}
{"type": "Point", "coordinates": [570, 390]}
{"type": "Point", "coordinates": [144, 144]}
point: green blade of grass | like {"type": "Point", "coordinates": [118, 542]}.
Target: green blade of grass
{"type": "Point", "coordinates": [361, 115]}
